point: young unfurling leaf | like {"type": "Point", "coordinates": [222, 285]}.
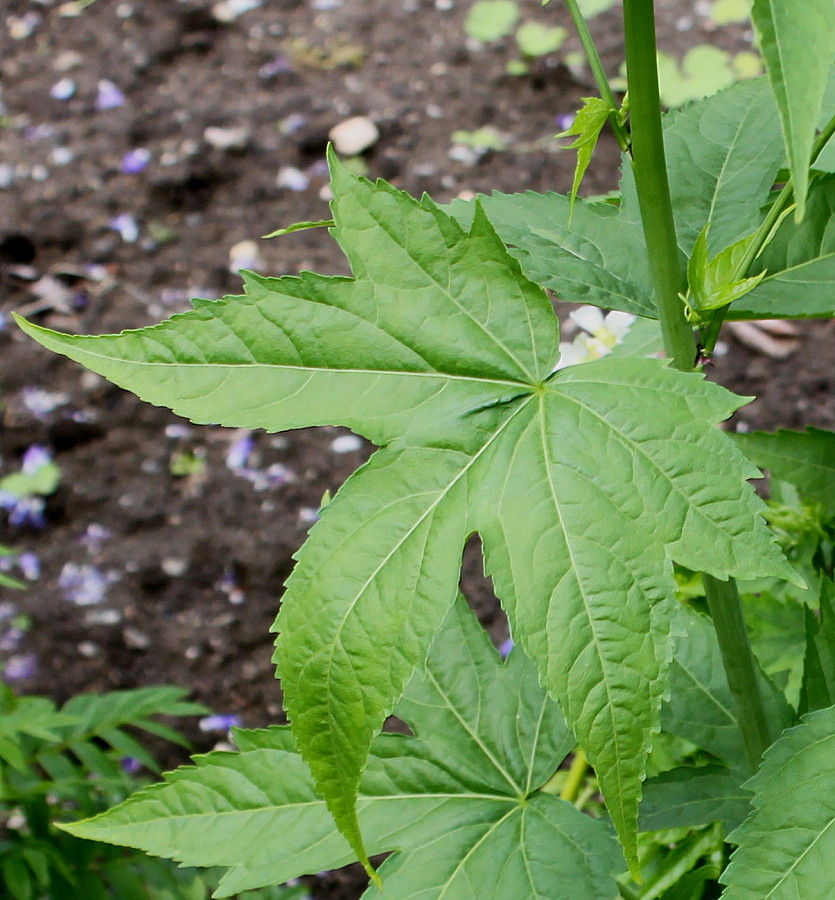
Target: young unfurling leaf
{"type": "Point", "coordinates": [713, 283]}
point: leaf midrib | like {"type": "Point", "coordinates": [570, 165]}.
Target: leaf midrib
{"type": "Point", "coordinates": [705, 689]}
{"type": "Point", "coordinates": [275, 809]}
{"type": "Point", "coordinates": [610, 706]}
{"type": "Point", "coordinates": [718, 190]}
{"type": "Point", "coordinates": [444, 290]}
{"type": "Point", "coordinates": [637, 450]}
{"type": "Point", "coordinates": [474, 735]}
{"type": "Point", "coordinates": [335, 754]}
{"type": "Point", "coordinates": [306, 369]}
{"type": "Point", "coordinates": [812, 260]}
{"type": "Point", "coordinates": [494, 826]}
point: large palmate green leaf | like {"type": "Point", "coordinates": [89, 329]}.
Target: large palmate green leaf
{"type": "Point", "coordinates": [461, 798]}
{"type": "Point", "coordinates": [805, 459]}
{"type": "Point", "coordinates": [787, 844]}
{"type": "Point", "coordinates": [583, 483]}
{"type": "Point", "coordinates": [722, 153]}
{"type": "Point", "coordinates": [797, 42]}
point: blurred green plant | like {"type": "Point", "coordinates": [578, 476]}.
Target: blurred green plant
{"type": "Point", "coordinates": [491, 20]}
{"type": "Point", "coordinates": [70, 763]}
{"type": "Point", "coordinates": [74, 762]}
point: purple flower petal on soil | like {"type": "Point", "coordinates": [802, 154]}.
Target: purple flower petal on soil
{"type": "Point", "coordinates": [228, 585]}
{"type": "Point", "coordinates": [126, 225]}
{"type": "Point", "coordinates": [94, 537]}
{"type": "Point", "coordinates": [319, 169]}
{"type": "Point", "coordinates": [238, 453]}
{"type": "Point", "coordinates": [35, 457]}
{"type": "Point", "coordinates": [7, 610]}
{"type": "Point", "coordinates": [23, 510]}
{"type": "Point", "coordinates": [19, 668]}
{"type": "Point", "coordinates": [292, 123]}
{"type": "Point", "coordinates": [505, 647]}
{"type": "Point", "coordinates": [109, 96]}
{"type": "Point", "coordinates": [277, 474]}
{"type": "Point", "coordinates": [80, 300]}
{"type": "Point", "coordinates": [280, 65]}
{"type": "Point", "coordinates": [63, 89]}
{"type": "Point", "coordinates": [29, 565]}
{"type": "Point", "coordinates": [564, 121]}
{"type": "Point", "coordinates": [84, 585]}
{"type": "Point", "coordinates": [219, 723]}
{"type": "Point", "coordinates": [308, 515]}
{"type": "Point", "coordinates": [135, 161]}
{"type": "Point", "coordinates": [10, 640]}
{"type": "Point", "coordinates": [291, 178]}
{"type": "Point", "coordinates": [41, 403]}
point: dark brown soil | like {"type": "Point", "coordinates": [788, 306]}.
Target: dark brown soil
{"type": "Point", "coordinates": [197, 561]}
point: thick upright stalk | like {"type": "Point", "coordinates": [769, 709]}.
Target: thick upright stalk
{"type": "Point", "coordinates": [679, 344]}
{"type": "Point", "coordinates": [740, 668]}
{"type": "Point", "coordinates": [598, 73]}
{"type": "Point", "coordinates": [651, 180]}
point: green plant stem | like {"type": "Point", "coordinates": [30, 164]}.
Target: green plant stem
{"type": "Point", "coordinates": [668, 278]}
{"type": "Point", "coordinates": [598, 73]}
{"type": "Point", "coordinates": [740, 668]}
{"type": "Point", "coordinates": [710, 334]}
{"type": "Point", "coordinates": [576, 775]}
{"type": "Point", "coordinates": [651, 180]}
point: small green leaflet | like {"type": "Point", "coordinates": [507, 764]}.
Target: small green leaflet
{"type": "Point", "coordinates": [797, 42]}
{"type": "Point", "coordinates": [442, 352]}
{"type": "Point", "coordinates": [714, 283]}
{"type": "Point", "coordinates": [591, 8]}
{"type": "Point", "coordinates": [805, 459]}
{"type": "Point", "coordinates": [787, 844]}
{"type": "Point", "coordinates": [461, 795]}
{"type": "Point", "coordinates": [587, 126]}
{"type": "Point", "coordinates": [727, 12]}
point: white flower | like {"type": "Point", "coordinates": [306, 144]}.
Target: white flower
{"type": "Point", "coordinates": [602, 334]}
